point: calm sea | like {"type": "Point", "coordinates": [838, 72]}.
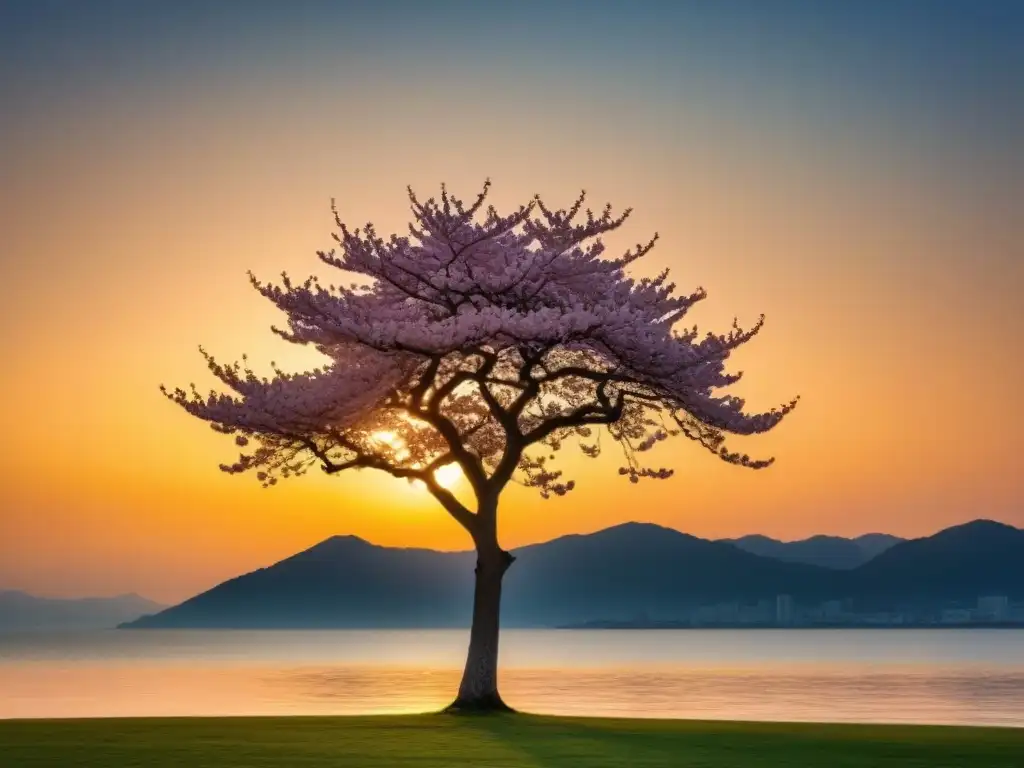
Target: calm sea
{"type": "Point", "coordinates": [930, 676]}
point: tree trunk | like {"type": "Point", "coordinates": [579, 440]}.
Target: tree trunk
{"type": "Point", "coordinates": [478, 691]}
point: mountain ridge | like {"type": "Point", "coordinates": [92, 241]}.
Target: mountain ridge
{"type": "Point", "coordinates": [23, 612]}
{"type": "Point", "coordinates": [628, 570]}
{"type": "Point", "coordinates": [829, 551]}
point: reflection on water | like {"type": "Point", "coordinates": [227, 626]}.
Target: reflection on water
{"type": "Point", "coordinates": [740, 694]}
{"type": "Point", "coordinates": [935, 676]}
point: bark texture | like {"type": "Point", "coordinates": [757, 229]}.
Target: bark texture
{"type": "Point", "coordinates": [478, 691]}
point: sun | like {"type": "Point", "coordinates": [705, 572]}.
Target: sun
{"type": "Point", "coordinates": [447, 476]}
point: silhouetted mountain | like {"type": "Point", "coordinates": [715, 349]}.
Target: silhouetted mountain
{"type": "Point", "coordinates": [23, 612]}
{"type": "Point", "coordinates": [960, 563]}
{"type": "Point", "coordinates": [827, 551]}
{"type": "Point", "coordinates": [621, 573]}
{"type": "Point", "coordinates": [343, 581]}
{"type": "Point", "coordinates": [644, 570]}
{"type": "Point", "coordinates": [874, 544]}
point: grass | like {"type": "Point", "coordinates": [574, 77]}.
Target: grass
{"type": "Point", "coordinates": [499, 741]}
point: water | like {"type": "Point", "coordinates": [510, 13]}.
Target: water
{"type": "Point", "coordinates": [911, 676]}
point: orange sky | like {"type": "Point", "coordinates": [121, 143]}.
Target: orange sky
{"type": "Point", "coordinates": [888, 275]}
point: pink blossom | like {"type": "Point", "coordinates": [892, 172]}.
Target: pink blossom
{"type": "Point", "coordinates": [488, 340]}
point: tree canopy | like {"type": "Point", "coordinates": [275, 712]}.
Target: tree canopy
{"type": "Point", "coordinates": [486, 340]}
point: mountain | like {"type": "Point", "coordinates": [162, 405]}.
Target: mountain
{"type": "Point", "coordinates": [874, 544]}
{"type": "Point", "coordinates": [622, 573]}
{"type": "Point", "coordinates": [826, 551]}
{"type": "Point", "coordinates": [644, 570]}
{"type": "Point", "coordinates": [960, 563]}
{"type": "Point", "coordinates": [619, 572]}
{"type": "Point", "coordinates": [23, 612]}
{"type": "Point", "coordinates": [343, 581]}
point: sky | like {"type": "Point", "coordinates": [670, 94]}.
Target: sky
{"type": "Point", "coordinates": [854, 171]}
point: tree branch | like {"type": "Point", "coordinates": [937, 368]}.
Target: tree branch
{"type": "Point", "coordinates": [586, 414]}
{"type": "Point", "coordinates": [425, 475]}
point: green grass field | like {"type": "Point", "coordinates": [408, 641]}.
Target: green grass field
{"type": "Point", "coordinates": [430, 741]}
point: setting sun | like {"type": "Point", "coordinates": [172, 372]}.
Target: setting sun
{"type": "Point", "coordinates": [447, 476]}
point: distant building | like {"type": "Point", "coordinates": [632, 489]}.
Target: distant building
{"type": "Point", "coordinates": [1016, 612]}
{"type": "Point", "coordinates": [762, 613]}
{"type": "Point", "coordinates": [956, 616]}
{"type": "Point", "coordinates": [784, 612]}
{"type": "Point", "coordinates": [832, 610]}
{"type": "Point", "coordinates": [883, 618]}
{"type": "Point", "coordinates": [720, 613]}
{"type": "Point", "coordinates": [728, 613]}
{"type": "Point", "coordinates": [993, 608]}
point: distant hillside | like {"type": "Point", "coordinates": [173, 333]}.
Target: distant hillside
{"type": "Point", "coordinates": [341, 582]}
{"type": "Point", "coordinates": [621, 573]}
{"type": "Point", "coordinates": [645, 570]}
{"type": "Point", "coordinates": [826, 551]}
{"type": "Point", "coordinates": [978, 558]}
{"type": "Point", "coordinates": [22, 612]}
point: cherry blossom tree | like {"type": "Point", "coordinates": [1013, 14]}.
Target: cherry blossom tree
{"type": "Point", "coordinates": [489, 341]}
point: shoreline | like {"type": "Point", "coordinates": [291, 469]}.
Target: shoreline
{"type": "Point", "coordinates": [668, 625]}
{"type": "Point", "coordinates": [525, 717]}
{"type": "Point", "coordinates": [565, 627]}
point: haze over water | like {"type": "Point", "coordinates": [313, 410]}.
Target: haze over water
{"type": "Point", "coordinates": [971, 677]}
